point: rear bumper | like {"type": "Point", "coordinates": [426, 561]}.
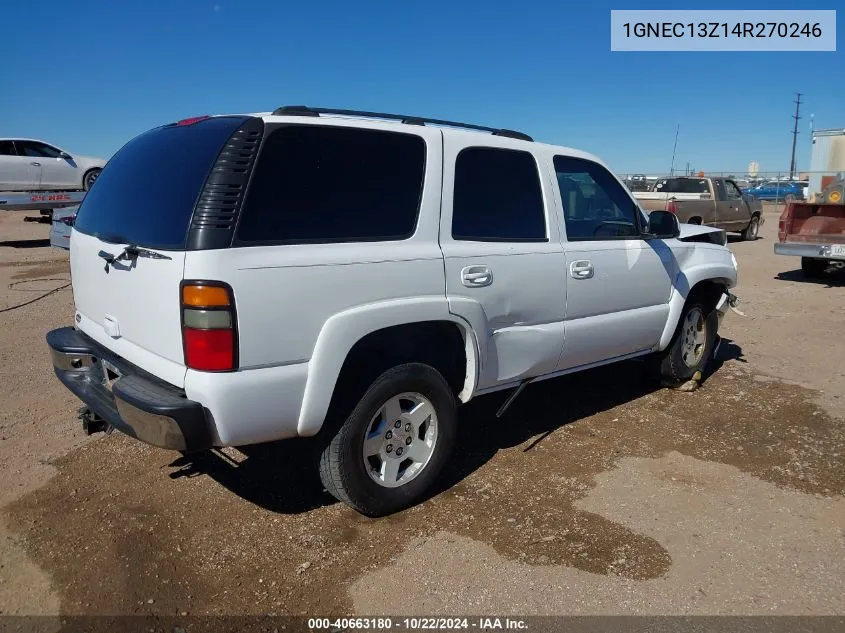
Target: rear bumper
{"type": "Point", "coordinates": [799, 249]}
{"type": "Point", "coordinates": [136, 403]}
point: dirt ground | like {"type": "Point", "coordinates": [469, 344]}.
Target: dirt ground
{"type": "Point", "coordinates": [599, 493]}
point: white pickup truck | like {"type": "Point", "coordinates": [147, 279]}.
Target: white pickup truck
{"type": "Point", "coordinates": [356, 275]}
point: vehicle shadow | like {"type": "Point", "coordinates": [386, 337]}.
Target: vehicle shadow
{"type": "Point", "coordinates": [36, 243]}
{"type": "Point", "coordinates": [283, 476]}
{"type": "Point", "coordinates": [833, 278]}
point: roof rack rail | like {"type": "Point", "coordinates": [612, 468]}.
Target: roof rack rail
{"type": "Point", "coordinates": [300, 110]}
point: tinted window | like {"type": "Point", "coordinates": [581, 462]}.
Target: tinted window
{"type": "Point", "coordinates": [595, 205]}
{"type": "Point", "coordinates": [732, 190]}
{"type": "Point", "coordinates": [331, 184]}
{"type": "Point", "coordinates": [682, 185]}
{"type": "Point", "coordinates": [7, 148]}
{"type": "Point", "coordinates": [35, 149]}
{"type": "Point", "coordinates": [147, 192]}
{"type": "Point", "coordinates": [497, 196]}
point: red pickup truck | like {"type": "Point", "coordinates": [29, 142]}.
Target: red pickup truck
{"type": "Point", "coordinates": [813, 232]}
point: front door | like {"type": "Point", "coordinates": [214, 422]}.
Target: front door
{"type": "Point", "coordinates": [736, 214]}
{"type": "Point", "coordinates": [619, 283]}
{"type": "Point", "coordinates": [505, 268]}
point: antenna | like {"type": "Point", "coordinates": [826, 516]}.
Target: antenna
{"type": "Point", "coordinates": [795, 134]}
{"type": "Point", "coordinates": [674, 147]}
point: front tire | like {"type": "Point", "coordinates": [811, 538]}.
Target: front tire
{"type": "Point", "coordinates": [88, 179]}
{"type": "Point", "coordinates": [750, 232]}
{"type": "Point", "coordinates": [812, 267]}
{"type": "Point", "coordinates": [393, 446]}
{"type": "Point", "coordinates": [693, 343]}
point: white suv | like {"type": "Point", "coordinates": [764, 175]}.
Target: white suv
{"type": "Point", "coordinates": [358, 275]}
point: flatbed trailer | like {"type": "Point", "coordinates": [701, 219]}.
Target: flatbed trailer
{"type": "Point", "coordinates": [39, 200]}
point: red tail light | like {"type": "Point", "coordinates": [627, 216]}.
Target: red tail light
{"type": "Point", "coordinates": [209, 336]}
{"type": "Point", "coordinates": [192, 120]}
{"type": "Point", "coordinates": [671, 207]}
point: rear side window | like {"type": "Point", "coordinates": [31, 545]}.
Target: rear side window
{"type": "Point", "coordinates": [317, 184]}
{"type": "Point", "coordinates": [147, 192]}
{"type": "Point", "coordinates": [682, 185]}
{"type": "Point", "coordinates": [7, 148]}
{"type": "Point", "coordinates": [497, 197]}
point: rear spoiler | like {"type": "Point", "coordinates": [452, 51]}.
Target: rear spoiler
{"type": "Point", "coordinates": [36, 200]}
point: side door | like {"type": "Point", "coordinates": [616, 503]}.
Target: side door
{"type": "Point", "coordinates": [738, 214]}
{"type": "Point", "coordinates": [14, 170]}
{"type": "Point", "coordinates": [56, 172]}
{"type": "Point", "coordinates": [619, 282]}
{"type": "Point", "coordinates": [505, 268]}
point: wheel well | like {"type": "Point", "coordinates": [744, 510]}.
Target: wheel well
{"type": "Point", "coordinates": [440, 344]}
{"type": "Point", "coordinates": [708, 291]}
{"type": "Point", "coordinates": [88, 171]}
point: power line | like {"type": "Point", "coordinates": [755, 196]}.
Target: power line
{"type": "Point", "coordinates": [795, 135]}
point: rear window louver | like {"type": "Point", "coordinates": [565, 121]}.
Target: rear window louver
{"type": "Point", "coordinates": [220, 201]}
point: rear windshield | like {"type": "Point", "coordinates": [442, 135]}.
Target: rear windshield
{"type": "Point", "coordinates": [147, 192]}
{"type": "Point", "coordinates": [682, 185]}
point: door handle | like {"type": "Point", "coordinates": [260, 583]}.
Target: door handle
{"type": "Point", "coordinates": [34, 164]}
{"type": "Point", "coordinates": [581, 269]}
{"type": "Point", "coordinates": [476, 276]}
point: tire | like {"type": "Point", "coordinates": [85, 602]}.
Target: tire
{"type": "Point", "coordinates": [812, 267]}
{"type": "Point", "coordinates": [368, 484]}
{"type": "Point", "coordinates": [750, 232]}
{"type": "Point", "coordinates": [695, 221]}
{"type": "Point", "coordinates": [789, 198]}
{"type": "Point", "coordinates": [677, 365]}
{"type": "Point", "coordinates": [88, 179]}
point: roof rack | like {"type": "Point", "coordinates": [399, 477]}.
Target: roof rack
{"type": "Point", "coordinates": [301, 110]}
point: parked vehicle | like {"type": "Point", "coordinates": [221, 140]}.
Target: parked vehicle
{"type": "Point", "coordinates": [61, 225]}
{"type": "Point", "coordinates": [777, 191]}
{"type": "Point", "coordinates": [357, 276]}
{"type": "Point", "coordinates": [716, 202]}
{"type": "Point", "coordinates": [31, 165]}
{"type": "Point", "coordinates": [815, 233]}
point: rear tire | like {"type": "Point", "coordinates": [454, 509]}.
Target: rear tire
{"type": "Point", "coordinates": [693, 342]}
{"type": "Point", "coordinates": [365, 462]}
{"type": "Point", "coordinates": [789, 198]}
{"type": "Point", "coordinates": [750, 232]}
{"type": "Point", "coordinates": [812, 267]}
{"type": "Point", "coordinates": [88, 179]}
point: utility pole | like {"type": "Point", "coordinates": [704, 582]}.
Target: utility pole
{"type": "Point", "coordinates": [795, 135]}
{"type": "Point", "coordinates": [674, 147]}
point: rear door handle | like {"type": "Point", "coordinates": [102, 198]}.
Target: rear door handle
{"type": "Point", "coordinates": [581, 269]}
{"type": "Point", "coordinates": [35, 164]}
{"type": "Point", "coordinates": [476, 276]}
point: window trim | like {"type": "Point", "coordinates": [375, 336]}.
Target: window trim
{"type": "Point", "coordinates": [270, 128]}
{"type": "Point", "coordinates": [501, 240]}
{"type": "Point", "coordinates": [638, 215]}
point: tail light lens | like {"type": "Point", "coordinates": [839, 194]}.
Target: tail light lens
{"type": "Point", "coordinates": [671, 207]}
{"type": "Point", "coordinates": [209, 333]}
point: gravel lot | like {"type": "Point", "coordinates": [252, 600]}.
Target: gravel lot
{"type": "Point", "coordinates": [597, 493]}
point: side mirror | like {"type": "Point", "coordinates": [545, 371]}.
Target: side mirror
{"type": "Point", "coordinates": [65, 155]}
{"type": "Point", "coordinates": [663, 225]}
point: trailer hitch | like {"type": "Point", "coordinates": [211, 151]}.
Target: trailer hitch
{"type": "Point", "coordinates": [93, 423]}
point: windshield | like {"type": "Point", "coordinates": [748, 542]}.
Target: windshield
{"type": "Point", "coordinates": [682, 185]}
{"type": "Point", "coordinates": [147, 192]}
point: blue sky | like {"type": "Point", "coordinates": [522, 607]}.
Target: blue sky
{"type": "Point", "coordinates": [95, 73]}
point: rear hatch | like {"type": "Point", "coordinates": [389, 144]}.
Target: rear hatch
{"type": "Point", "coordinates": [127, 249]}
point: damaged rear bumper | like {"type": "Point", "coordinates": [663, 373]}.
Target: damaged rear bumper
{"type": "Point", "coordinates": [124, 397]}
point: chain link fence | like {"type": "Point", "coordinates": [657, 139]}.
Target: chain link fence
{"type": "Point", "coordinates": [815, 186]}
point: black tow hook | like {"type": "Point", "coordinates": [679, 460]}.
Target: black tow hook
{"type": "Point", "coordinates": [93, 423]}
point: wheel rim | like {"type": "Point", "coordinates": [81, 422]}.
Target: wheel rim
{"type": "Point", "coordinates": [91, 178]}
{"type": "Point", "coordinates": [694, 337]}
{"type": "Point", "coordinates": [400, 440]}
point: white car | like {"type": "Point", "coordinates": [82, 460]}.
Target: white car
{"type": "Point", "coordinates": [355, 276]}
{"type": "Point", "coordinates": [31, 165]}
